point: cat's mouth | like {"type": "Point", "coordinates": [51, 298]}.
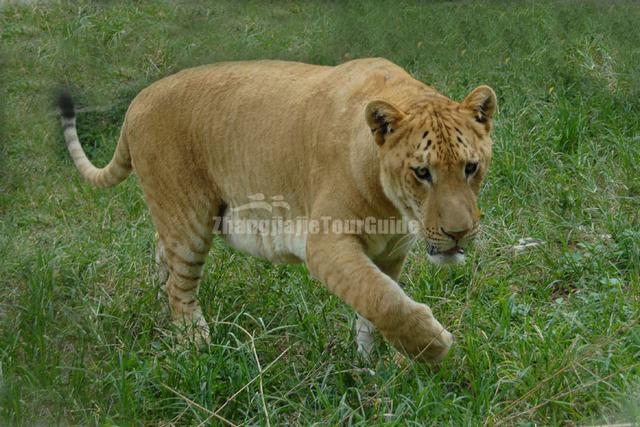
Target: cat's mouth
{"type": "Point", "coordinates": [432, 250]}
{"type": "Point", "coordinates": [451, 256]}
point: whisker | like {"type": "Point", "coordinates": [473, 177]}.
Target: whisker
{"type": "Point", "coordinates": [403, 242]}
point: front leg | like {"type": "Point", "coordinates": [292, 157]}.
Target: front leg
{"type": "Point", "coordinates": [340, 262]}
{"type": "Point", "coordinates": [364, 328]}
{"type": "Point", "coordinates": [364, 336]}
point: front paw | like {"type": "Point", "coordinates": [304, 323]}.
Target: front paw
{"type": "Point", "coordinates": [420, 335]}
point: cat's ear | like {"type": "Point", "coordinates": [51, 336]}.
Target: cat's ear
{"type": "Point", "coordinates": [483, 104]}
{"type": "Point", "coordinates": [382, 118]}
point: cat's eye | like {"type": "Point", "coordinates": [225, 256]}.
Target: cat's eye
{"type": "Point", "coordinates": [470, 169]}
{"type": "Point", "coordinates": [422, 173]}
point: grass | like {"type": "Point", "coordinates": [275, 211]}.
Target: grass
{"type": "Point", "coordinates": [548, 336]}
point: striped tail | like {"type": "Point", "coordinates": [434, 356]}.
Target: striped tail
{"type": "Point", "coordinates": [118, 168]}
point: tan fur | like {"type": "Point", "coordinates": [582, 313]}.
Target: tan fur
{"type": "Point", "coordinates": [334, 142]}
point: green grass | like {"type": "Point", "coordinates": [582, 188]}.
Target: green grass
{"type": "Point", "coordinates": [549, 336]}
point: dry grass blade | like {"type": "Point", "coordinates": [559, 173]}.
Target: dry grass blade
{"type": "Point", "coordinates": [563, 393]}
{"type": "Point", "coordinates": [260, 371]}
{"type": "Point", "coordinates": [388, 382]}
{"type": "Point", "coordinates": [196, 405]}
{"type": "Point", "coordinates": [582, 357]}
{"type": "Point", "coordinates": [241, 389]}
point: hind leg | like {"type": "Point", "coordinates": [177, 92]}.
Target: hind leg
{"type": "Point", "coordinates": [186, 313]}
{"type": "Point", "coordinates": [185, 264]}
{"type": "Point", "coordinates": [186, 246]}
{"type": "Point", "coordinates": [163, 267]}
{"type": "Point", "coordinates": [172, 166]}
{"type": "Point", "coordinates": [184, 222]}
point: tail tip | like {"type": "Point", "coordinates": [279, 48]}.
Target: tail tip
{"type": "Point", "coordinates": [65, 104]}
